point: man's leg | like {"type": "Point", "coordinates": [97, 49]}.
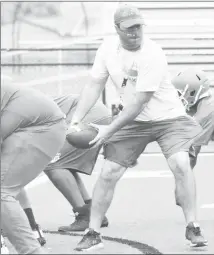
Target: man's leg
{"type": "Point", "coordinates": [18, 151]}
{"type": "Point", "coordinates": [82, 188]}
{"type": "Point", "coordinates": [65, 182]}
{"type": "Point", "coordinates": [101, 200]}
{"type": "Point", "coordinates": [16, 174]}
{"type": "Point", "coordinates": [185, 195]}
{"type": "Point", "coordinates": [185, 190]}
{"type": "Point", "coordinates": [121, 151]}
{"type": "Point", "coordinates": [103, 192]}
{"type": "Point", "coordinates": [26, 205]}
{"type": "Point", "coordinates": [175, 138]}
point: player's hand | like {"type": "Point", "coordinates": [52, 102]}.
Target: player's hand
{"type": "Point", "coordinates": [102, 136]}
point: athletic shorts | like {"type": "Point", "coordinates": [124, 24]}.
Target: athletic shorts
{"type": "Point", "coordinates": [81, 160]}
{"type": "Point", "coordinates": [172, 135]}
{"type": "Point", "coordinates": [208, 130]}
{"type": "Point", "coordinates": [26, 153]}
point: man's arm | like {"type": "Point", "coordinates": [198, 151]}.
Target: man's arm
{"type": "Point", "coordinates": [92, 91]}
{"type": "Point", "coordinates": [88, 98]}
{"type": "Point", "coordinates": [130, 112]}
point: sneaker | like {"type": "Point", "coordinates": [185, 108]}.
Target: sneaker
{"type": "Point", "coordinates": [4, 249]}
{"type": "Point", "coordinates": [39, 235]}
{"type": "Point", "coordinates": [90, 241]}
{"type": "Point", "coordinates": [194, 235]}
{"type": "Point", "coordinates": [81, 223]}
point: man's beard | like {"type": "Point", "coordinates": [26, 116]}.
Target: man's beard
{"type": "Point", "coordinates": [129, 41]}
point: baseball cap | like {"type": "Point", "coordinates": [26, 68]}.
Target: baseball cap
{"type": "Point", "coordinates": [128, 16]}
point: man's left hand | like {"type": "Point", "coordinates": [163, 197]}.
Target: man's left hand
{"type": "Point", "coordinates": [102, 136]}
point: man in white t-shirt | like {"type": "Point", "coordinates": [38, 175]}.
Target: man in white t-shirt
{"type": "Point", "coordinates": [150, 111]}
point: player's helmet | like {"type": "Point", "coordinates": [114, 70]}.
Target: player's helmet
{"type": "Point", "coordinates": [191, 84]}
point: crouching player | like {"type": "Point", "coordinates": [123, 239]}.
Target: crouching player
{"type": "Point", "coordinates": [64, 169]}
{"type": "Point", "coordinates": [33, 130]}
{"type": "Point", "coordinates": [194, 89]}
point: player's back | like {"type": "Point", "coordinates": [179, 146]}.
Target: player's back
{"type": "Point", "coordinates": [205, 109]}
{"type": "Point", "coordinates": [204, 114]}
{"type": "Point", "coordinates": [30, 105]}
{"type": "Point", "coordinates": [67, 103]}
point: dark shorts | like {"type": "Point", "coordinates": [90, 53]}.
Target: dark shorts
{"type": "Point", "coordinates": [81, 160]}
{"type": "Point", "coordinates": [172, 135]}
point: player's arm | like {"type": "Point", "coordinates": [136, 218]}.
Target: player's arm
{"type": "Point", "coordinates": [94, 88]}
{"type": "Point", "coordinates": [131, 111]}
{"type": "Point", "coordinates": [88, 98]}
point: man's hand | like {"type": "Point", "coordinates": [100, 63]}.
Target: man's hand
{"type": "Point", "coordinates": [102, 136]}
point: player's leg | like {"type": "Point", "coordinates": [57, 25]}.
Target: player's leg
{"type": "Point", "coordinates": [82, 213]}
{"type": "Point", "coordinates": [120, 152]}
{"type": "Point", "coordinates": [26, 206]}
{"type": "Point", "coordinates": [31, 147]}
{"type": "Point", "coordinates": [15, 224]}
{"type": "Point", "coordinates": [65, 182]}
{"type": "Point", "coordinates": [85, 195]}
{"type": "Point", "coordinates": [175, 138]}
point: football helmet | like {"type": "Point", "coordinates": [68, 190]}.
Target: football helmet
{"type": "Point", "coordinates": [191, 85]}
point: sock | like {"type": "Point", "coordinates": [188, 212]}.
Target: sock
{"type": "Point", "coordinates": [30, 216]}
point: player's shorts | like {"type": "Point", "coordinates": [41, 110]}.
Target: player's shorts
{"type": "Point", "coordinates": [204, 138]}
{"type": "Point", "coordinates": [208, 130]}
{"type": "Point", "coordinates": [172, 135]}
{"type": "Point", "coordinates": [27, 152]}
{"type": "Point", "coordinates": [81, 160]}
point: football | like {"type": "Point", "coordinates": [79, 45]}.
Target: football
{"type": "Point", "coordinates": [80, 135]}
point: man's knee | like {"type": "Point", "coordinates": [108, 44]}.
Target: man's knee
{"type": "Point", "coordinates": [112, 171]}
{"type": "Point", "coordinates": [179, 163]}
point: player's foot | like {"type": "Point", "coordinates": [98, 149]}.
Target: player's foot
{"type": "Point", "coordinates": [90, 241]}
{"type": "Point", "coordinates": [39, 235]}
{"type": "Point", "coordinates": [4, 249]}
{"type": "Point", "coordinates": [194, 235]}
{"type": "Point", "coordinates": [81, 223]}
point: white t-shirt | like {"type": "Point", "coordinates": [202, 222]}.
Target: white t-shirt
{"type": "Point", "coordinates": [145, 70]}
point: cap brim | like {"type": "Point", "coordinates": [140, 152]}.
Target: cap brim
{"type": "Point", "coordinates": [132, 22]}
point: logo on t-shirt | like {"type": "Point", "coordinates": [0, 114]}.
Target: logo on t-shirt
{"type": "Point", "coordinates": [131, 72]}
